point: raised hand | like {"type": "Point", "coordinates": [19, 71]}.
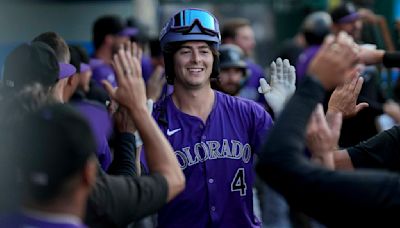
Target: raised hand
{"type": "Point", "coordinates": [282, 86]}
{"type": "Point", "coordinates": [155, 84]}
{"type": "Point", "coordinates": [334, 60]}
{"type": "Point", "coordinates": [130, 92]}
{"type": "Point", "coordinates": [322, 135]}
{"type": "Point", "coordinates": [344, 97]}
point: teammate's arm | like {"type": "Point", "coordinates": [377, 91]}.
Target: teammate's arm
{"type": "Point", "coordinates": [131, 94]}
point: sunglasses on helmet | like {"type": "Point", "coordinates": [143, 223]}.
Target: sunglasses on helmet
{"type": "Point", "coordinates": [186, 19]}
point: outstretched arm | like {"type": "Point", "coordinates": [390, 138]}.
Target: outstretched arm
{"type": "Point", "coordinates": [335, 198]}
{"type": "Point", "coordinates": [131, 94]}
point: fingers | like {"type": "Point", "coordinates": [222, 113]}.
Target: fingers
{"type": "Point", "coordinates": [311, 126]}
{"type": "Point", "coordinates": [279, 68]}
{"type": "Point", "coordinates": [320, 116]}
{"type": "Point", "coordinates": [358, 86]}
{"type": "Point", "coordinates": [137, 68]}
{"type": "Point", "coordinates": [292, 75]}
{"type": "Point", "coordinates": [110, 90]}
{"type": "Point", "coordinates": [123, 57]}
{"type": "Point", "coordinates": [118, 68]}
{"type": "Point", "coordinates": [134, 48]}
{"type": "Point", "coordinates": [273, 72]}
{"type": "Point", "coordinates": [129, 47]}
{"type": "Point", "coordinates": [361, 106]}
{"type": "Point", "coordinates": [264, 86]}
{"type": "Point", "coordinates": [348, 49]}
{"type": "Point", "coordinates": [139, 54]}
{"type": "Point", "coordinates": [286, 67]}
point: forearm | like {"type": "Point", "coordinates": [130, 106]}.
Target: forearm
{"type": "Point", "coordinates": [159, 153]}
{"type": "Point", "coordinates": [326, 160]}
{"type": "Point", "coordinates": [342, 160]}
{"type": "Point", "coordinates": [124, 156]}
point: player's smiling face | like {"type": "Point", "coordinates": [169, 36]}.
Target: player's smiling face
{"type": "Point", "coordinates": [193, 64]}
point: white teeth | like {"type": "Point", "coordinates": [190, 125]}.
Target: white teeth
{"type": "Point", "coordinates": [195, 70]}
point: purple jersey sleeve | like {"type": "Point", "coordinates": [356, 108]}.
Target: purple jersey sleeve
{"type": "Point", "coordinates": [304, 60]}
{"type": "Point", "coordinates": [217, 160]}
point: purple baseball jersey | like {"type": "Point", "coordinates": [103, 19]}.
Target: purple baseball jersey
{"type": "Point", "coordinates": [304, 60]}
{"type": "Point", "coordinates": [102, 71]}
{"type": "Point", "coordinates": [22, 220]}
{"type": "Point", "coordinates": [250, 89]}
{"type": "Point", "coordinates": [101, 126]}
{"type": "Point", "coordinates": [217, 160]}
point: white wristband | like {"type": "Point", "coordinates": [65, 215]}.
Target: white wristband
{"type": "Point", "coordinates": [138, 139]}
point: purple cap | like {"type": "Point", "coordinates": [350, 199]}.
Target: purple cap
{"type": "Point", "coordinates": [84, 67]}
{"type": "Point", "coordinates": [129, 31]}
{"type": "Point", "coordinates": [344, 13]}
{"type": "Point", "coordinates": [66, 70]}
{"type": "Point", "coordinates": [93, 63]}
{"type": "Point", "coordinates": [349, 18]}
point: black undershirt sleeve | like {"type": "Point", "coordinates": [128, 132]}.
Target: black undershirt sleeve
{"type": "Point", "coordinates": [117, 201]}
{"type": "Point", "coordinates": [381, 151]}
{"type": "Point", "coordinates": [335, 198]}
{"type": "Point", "coordinates": [391, 59]}
{"type": "Point", "coordinates": [124, 155]}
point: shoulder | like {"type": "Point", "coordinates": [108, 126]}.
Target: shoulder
{"type": "Point", "coordinates": [160, 109]}
{"type": "Point", "coordinates": [238, 102]}
{"type": "Point", "coordinates": [242, 107]}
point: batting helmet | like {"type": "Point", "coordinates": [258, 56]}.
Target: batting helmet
{"type": "Point", "coordinates": [316, 26]}
{"type": "Point", "coordinates": [231, 55]}
{"type": "Point", "coordinates": [189, 25]}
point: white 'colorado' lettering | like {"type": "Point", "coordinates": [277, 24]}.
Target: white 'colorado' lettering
{"type": "Point", "coordinates": [210, 150]}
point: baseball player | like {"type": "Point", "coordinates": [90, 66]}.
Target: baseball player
{"type": "Point", "coordinates": [214, 135]}
{"type": "Point", "coordinates": [234, 72]}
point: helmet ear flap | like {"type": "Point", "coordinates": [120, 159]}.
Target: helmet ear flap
{"type": "Point", "coordinates": [215, 68]}
{"type": "Point", "coordinates": [169, 68]}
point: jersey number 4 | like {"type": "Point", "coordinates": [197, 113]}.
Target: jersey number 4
{"type": "Point", "coordinates": [239, 182]}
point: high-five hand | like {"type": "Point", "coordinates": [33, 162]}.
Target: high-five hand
{"type": "Point", "coordinates": [282, 85]}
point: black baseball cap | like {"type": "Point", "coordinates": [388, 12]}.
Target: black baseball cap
{"type": "Point", "coordinates": [55, 143]}
{"type": "Point", "coordinates": [34, 63]}
{"type": "Point", "coordinates": [111, 24]}
{"type": "Point", "coordinates": [344, 13]}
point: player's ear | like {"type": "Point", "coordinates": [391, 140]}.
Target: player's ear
{"type": "Point", "coordinates": [74, 79]}
{"type": "Point", "coordinates": [89, 172]}
{"type": "Point", "coordinates": [109, 39]}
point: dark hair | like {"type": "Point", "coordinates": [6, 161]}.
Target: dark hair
{"type": "Point", "coordinates": [105, 25]}
{"type": "Point", "coordinates": [57, 43]}
{"type": "Point", "coordinates": [50, 143]}
{"type": "Point", "coordinates": [172, 48]}
{"type": "Point", "coordinates": [75, 58]}
{"type": "Point", "coordinates": [230, 27]}
{"type": "Point", "coordinates": [82, 53]}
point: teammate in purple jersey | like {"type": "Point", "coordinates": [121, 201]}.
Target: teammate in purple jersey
{"type": "Point", "coordinates": [214, 135]}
